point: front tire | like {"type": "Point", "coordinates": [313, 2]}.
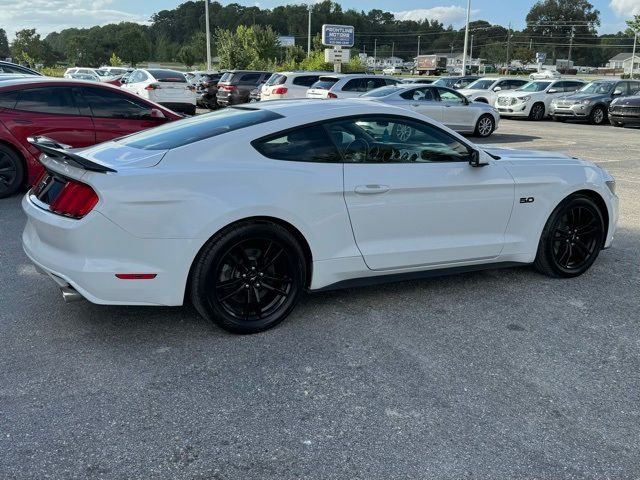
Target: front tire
{"type": "Point", "coordinates": [537, 112]}
{"type": "Point", "coordinates": [485, 126]}
{"type": "Point", "coordinates": [249, 277]}
{"type": "Point", "coordinates": [572, 238]}
{"type": "Point", "coordinates": [597, 116]}
{"type": "Point", "coordinates": [12, 172]}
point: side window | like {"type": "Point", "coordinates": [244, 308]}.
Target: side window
{"type": "Point", "coordinates": [373, 83]}
{"type": "Point", "coordinates": [249, 78]}
{"type": "Point", "coordinates": [9, 99]}
{"type": "Point", "coordinates": [635, 88]}
{"type": "Point", "coordinates": [418, 95]}
{"type": "Point", "coordinates": [447, 96]}
{"type": "Point", "coordinates": [395, 140]}
{"type": "Point", "coordinates": [306, 144]}
{"type": "Point", "coordinates": [504, 85]}
{"type": "Point", "coordinates": [572, 86]}
{"type": "Point", "coordinates": [306, 80]}
{"type": "Point", "coordinates": [107, 104]}
{"type": "Point", "coordinates": [137, 76]}
{"type": "Point", "coordinates": [57, 100]}
{"type": "Point", "coordinates": [622, 86]}
{"type": "Point", "coordinates": [355, 85]}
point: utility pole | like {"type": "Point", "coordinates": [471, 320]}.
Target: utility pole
{"type": "Point", "coordinates": [206, 21]}
{"type": "Point", "coordinates": [375, 54]}
{"type": "Point", "coordinates": [393, 48]}
{"type": "Point", "coordinates": [466, 40]}
{"type": "Point", "coordinates": [530, 43]}
{"type": "Point", "coordinates": [418, 54]}
{"type": "Point", "coordinates": [633, 55]}
{"type": "Point", "coordinates": [571, 43]}
{"type": "Point", "coordinates": [508, 45]}
{"type": "Point", "coordinates": [309, 32]}
{"type": "Point", "coordinates": [471, 52]}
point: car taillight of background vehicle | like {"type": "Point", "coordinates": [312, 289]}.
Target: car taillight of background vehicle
{"type": "Point", "coordinates": [151, 86]}
{"type": "Point", "coordinates": [280, 90]}
{"type": "Point", "coordinates": [75, 200]}
{"type": "Point", "coordinates": [228, 88]}
{"type": "Point", "coordinates": [331, 95]}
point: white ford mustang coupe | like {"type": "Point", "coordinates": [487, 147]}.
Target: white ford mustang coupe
{"type": "Point", "coordinates": [241, 210]}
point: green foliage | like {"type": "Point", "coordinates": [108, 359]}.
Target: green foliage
{"type": "Point", "coordinates": [187, 56]}
{"type": "Point", "coordinates": [114, 60]}
{"type": "Point", "coordinates": [525, 55]}
{"type": "Point", "coordinates": [4, 45]}
{"type": "Point", "coordinates": [27, 47]}
{"type": "Point", "coordinates": [52, 71]}
{"type": "Point", "coordinates": [248, 47]}
{"type": "Point", "coordinates": [634, 25]}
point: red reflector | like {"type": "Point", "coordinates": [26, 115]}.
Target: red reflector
{"type": "Point", "coordinates": [280, 90]}
{"type": "Point", "coordinates": [331, 95]}
{"type": "Point", "coordinates": [228, 88]}
{"type": "Point", "coordinates": [136, 276]}
{"type": "Point", "coordinates": [75, 200]}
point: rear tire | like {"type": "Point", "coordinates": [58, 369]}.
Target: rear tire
{"type": "Point", "coordinates": [249, 277]}
{"type": "Point", "coordinates": [12, 171]}
{"type": "Point", "coordinates": [485, 126]}
{"type": "Point", "coordinates": [572, 238]}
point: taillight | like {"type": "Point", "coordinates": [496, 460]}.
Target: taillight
{"type": "Point", "coordinates": [151, 86]}
{"type": "Point", "coordinates": [331, 95]}
{"type": "Point", "coordinates": [228, 88]}
{"type": "Point", "coordinates": [75, 200]}
{"type": "Point", "coordinates": [280, 90]}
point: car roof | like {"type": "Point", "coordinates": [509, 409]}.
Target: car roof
{"type": "Point", "coordinates": [36, 81]}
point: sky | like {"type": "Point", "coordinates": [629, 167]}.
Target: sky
{"type": "Point", "coordinates": [54, 15]}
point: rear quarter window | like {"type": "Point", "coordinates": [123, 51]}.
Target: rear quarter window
{"type": "Point", "coordinates": [194, 129]}
{"type": "Point", "coordinates": [305, 80]}
{"type": "Point", "coordinates": [324, 83]}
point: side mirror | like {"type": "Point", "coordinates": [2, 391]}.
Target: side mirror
{"type": "Point", "coordinates": [497, 89]}
{"type": "Point", "coordinates": [617, 92]}
{"type": "Point", "coordinates": [157, 114]}
{"type": "Point", "coordinates": [553, 90]}
{"type": "Point", "coordinates": [466, 101]}
{"type": "Point", "coordinates": [476, 159]}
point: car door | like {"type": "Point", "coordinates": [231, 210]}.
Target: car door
{"type": "Point", "coordinates": [414, 200]}
{"type": "Point", "coordinates": [52, 111]}
{"type": "Point", "coordinates": [421, 100]}
{"type": "Point", "coordinates": [116, 114]}
{"type": "Point", "coordinates": [456, 113]}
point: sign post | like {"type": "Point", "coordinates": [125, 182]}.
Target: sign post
{"type": "Point", "coordinates": [337, 36]}
{"type": "Point", "coordinates": [541, 57]}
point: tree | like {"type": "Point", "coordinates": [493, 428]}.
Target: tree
{"type": "Point", "coordinates": [4, 45]}
{"type": "Point", "coordinates": [495, 53]}
{"type": "Point", "coordinates": [525, 55]}
{"type": "Point", "coordinates": [562, 23]}
{"type": "Point", "coordinates": [114, 60]}
{"type": "Point", "coordinates": [634, 25]}
{"type": "Point", "coordinates": [133, 43]}
{"type": "Point", "coordinates": [187, 56]}
{"type": "Point", "coordinates": [27, 47]}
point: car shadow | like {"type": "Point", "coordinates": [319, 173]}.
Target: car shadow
{"type": "Point", "coordinates": [506, 138]}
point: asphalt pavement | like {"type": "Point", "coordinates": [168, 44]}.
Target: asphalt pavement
{"type": "Point", "coordinates": [503, 374]}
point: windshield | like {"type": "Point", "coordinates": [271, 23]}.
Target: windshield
{"type": "Point", "coordinates": [168, 76]}
{"type": "Point", "coordinates": [481, 84]}
{"type": "Point", "coordinates": [325, 83]}
{"type": "Point", "coordinates": [381, 92]}
{"type": "Point", "coordinates": [102, 73]}
{"type": "Point", "coordinates": [534, 87]}
{"type": "Point", "coordinates": [445, 82]}
{"type": "Point", "coordinates": [275, 79]}
{"type": "Point", "coordinates": [597, 87]}
{"type": "Point", "coordinates": [194, 129]}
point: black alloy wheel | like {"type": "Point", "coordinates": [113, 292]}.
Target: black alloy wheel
{"type": "Point", "coordinates": [537, 112]}
{"type": "Point", "coordinates": [572, 238]}
{"type": "Point", "coordinates": [249, 278]}
{"type": "Point", "coordinates": [12, 172]}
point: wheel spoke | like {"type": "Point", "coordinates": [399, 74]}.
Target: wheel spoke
{"type": "Point", "coordinates": [274, 289]}
{"type": "Point", "coordinates": [565, 254]}
{"type": "Point", "coordinates": [276, 279]}
{"type": "Point", "coordinates": [229, 295]}
{"type": "Point", "coordinates": [582, 248]}
{"type": "Point", "coordinates": [562, 233]}
{"type": "Point", "coordinates": [229, 283]}
{"type": "Point", "coordinates": [272, 260]}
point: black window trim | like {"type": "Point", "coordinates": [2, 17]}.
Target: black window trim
{"type": "Point", "coordinates": [323, 123]}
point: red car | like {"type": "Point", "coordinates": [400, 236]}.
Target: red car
{"type": "Point", "coordinates": [71, 112]}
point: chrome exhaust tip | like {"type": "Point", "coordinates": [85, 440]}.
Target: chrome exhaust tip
{"type": "Point", "coordinates": [70, 294]}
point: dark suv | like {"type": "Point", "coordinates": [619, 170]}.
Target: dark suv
{"type": "Point", "coordinates": [235, 86]}
{"type": "Point", "coordinates": [206, 90]}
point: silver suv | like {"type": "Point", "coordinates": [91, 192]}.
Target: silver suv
{"type": "Point", "coordinates": [347, 85]}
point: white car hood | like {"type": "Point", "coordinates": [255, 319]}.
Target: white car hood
{"type": "Point", "coordinates": [535, 157]}
{"type": "Point", "coordinates": [469, 92]}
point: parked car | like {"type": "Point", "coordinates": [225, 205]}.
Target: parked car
{"type": "Point", "coordinates": [486, 89]}
{"type": "Point", "coordinates": [83, 76]}
{"type": "Point", "coordinates": [166, 87]}
{"type": "Point", "coordinates": [339, 85]}
{"type": "Point", "coordinates": [625, 111]}
{"type": "Point", "coordinates": [545, 74]}
{"type": "Point", "coordinates": [533, 100]}
{"type": "Point", "coordinates": [235, 86]}
{"type": "Point", "coordinates": [8, 68]}
{"type": "Point", "coordinates": [457, 82]}
{"type": "Point", "coordinates": [393, 71]}
{"type": "Point", "coordinates": [70, 112]}
{"type": "Point", "coordinates": [102, 75]}
{"type": "Point", "coordinates": [442, 104]}
{"type": "Point", "coordinates": [283, 85]}
{"type": "Point", "coordinates": [591, 102]}
{"type": "Point", "coordinates": [242, 210]}
{"type": "Point", "coordinates": [206, 90]}
{"type": "Point", "coordinates": [422, 80]}
{"type": "Point", "coordinates": [116, 71]}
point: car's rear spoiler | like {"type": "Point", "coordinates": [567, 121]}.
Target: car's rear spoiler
{"type": "Point", "coordinates": [55, 150]}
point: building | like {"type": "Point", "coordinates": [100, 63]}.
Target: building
{"type": "Point", "coordinates": [622, 61]}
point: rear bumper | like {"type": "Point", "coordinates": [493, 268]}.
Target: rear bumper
{"type": "Point", "coordinates": [87, 254]}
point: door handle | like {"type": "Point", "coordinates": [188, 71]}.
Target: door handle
{"type": "Point", "coordinates": [415, 105]}
{"type": "Point", "coordinates": [371, 189]}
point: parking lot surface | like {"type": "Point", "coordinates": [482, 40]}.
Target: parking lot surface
{"type": "Point", "coordinates": [498, 374]}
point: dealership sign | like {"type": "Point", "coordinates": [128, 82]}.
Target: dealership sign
{"type": "Point", "coordinates": [286, 41]}
{"type": "Point", "coordinates": [338, 35]}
